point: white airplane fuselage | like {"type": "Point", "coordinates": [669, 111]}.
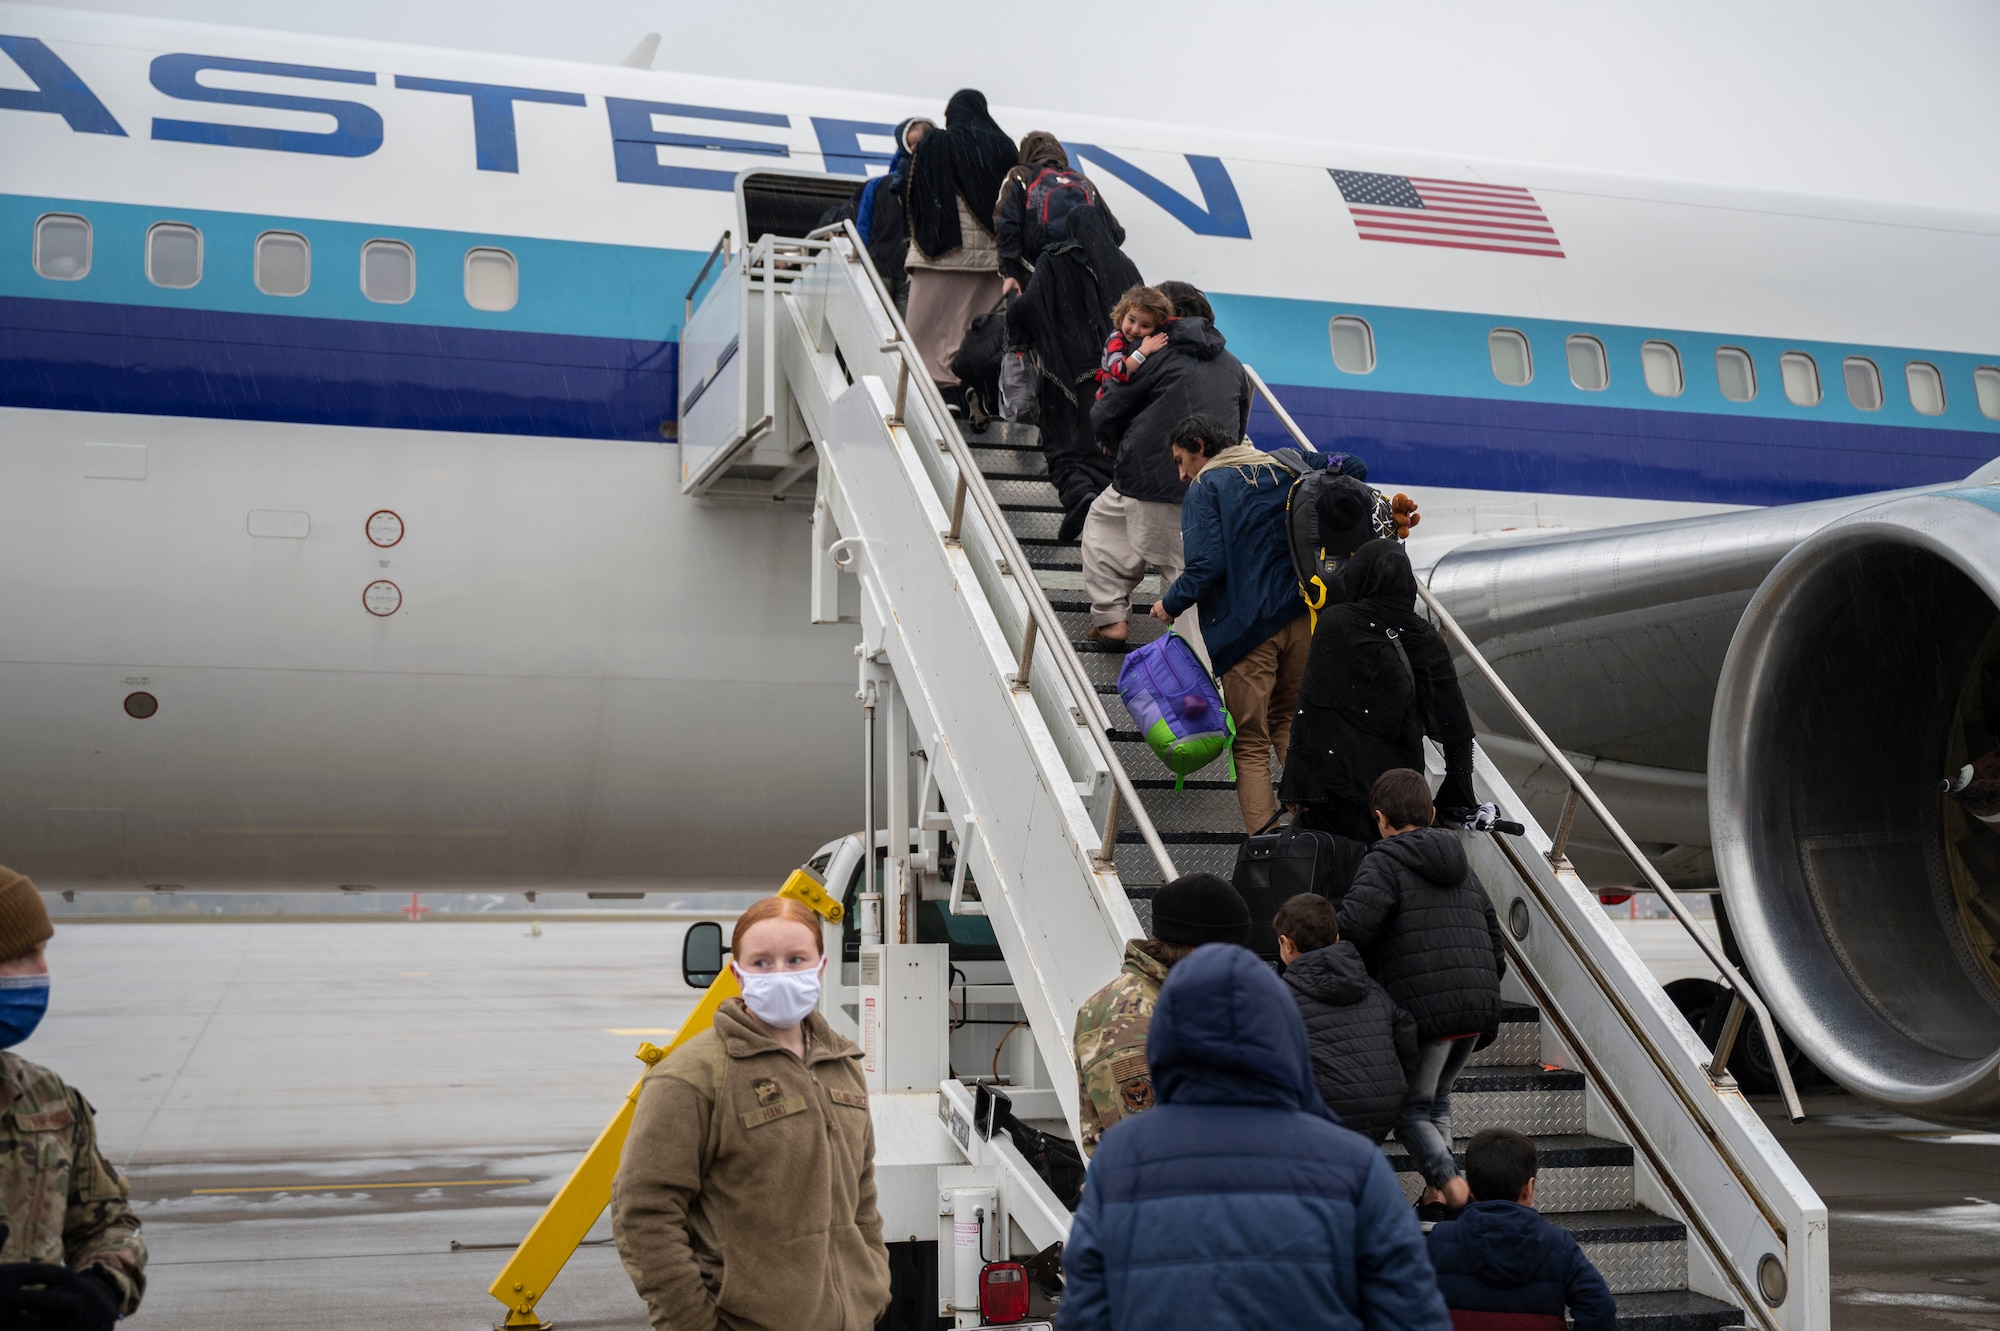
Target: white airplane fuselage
{"type": "Point", "coordinates": [321, 589]}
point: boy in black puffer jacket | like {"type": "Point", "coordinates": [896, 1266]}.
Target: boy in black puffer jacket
{"type": "Point", "coordinates": [1363, 1046]}
{"type": "Point", "coordinates": [1427, 927]}
{"type": "Point", "coordinates": [1500, 1264]}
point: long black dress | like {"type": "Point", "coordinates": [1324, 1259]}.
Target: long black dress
{"type": "Point", "coordinates": [1064, 314]}
{"type": "Point", "coordinates": [1361, 710]}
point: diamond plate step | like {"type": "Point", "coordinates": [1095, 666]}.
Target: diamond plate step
{"type": "Point", "coordinates": [1527, 1098]}
{"type": "Point", "coordinates": [1519, 1041]}
{"type": "Point", "coordinates": [1675, 1310]}
{"type": "Point", "coordinates": [1002, 461]}
{"type": "Point", "coordinates": [1048, 555]}
{"type": "Point", "coordinates": [1578, 1172]}
{"type": "Point", "coordinates": [1024, 494]}
{"type": "Point", "coordinates": [1635, 1251]}
{"type": "Point", "coordinates": [1138, 871]}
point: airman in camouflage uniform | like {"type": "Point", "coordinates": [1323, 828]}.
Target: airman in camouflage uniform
{"type": "Point", "coordinates": [70, 1251]}
{"type": "Point", "coordinates": [65, 1205]}
{"type": "Point", "coordinates": [1113, 1079]}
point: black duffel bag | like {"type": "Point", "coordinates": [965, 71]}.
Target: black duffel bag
{"type": "Point", "coordinates": [1275, 864]}
{"type": "Point", "coordinates": [977, 362]}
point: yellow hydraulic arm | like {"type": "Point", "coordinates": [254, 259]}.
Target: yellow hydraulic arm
{"type": "Point", "coordinates": [576, 1207]}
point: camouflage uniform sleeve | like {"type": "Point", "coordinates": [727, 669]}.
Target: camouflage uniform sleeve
{"type": "Point", "coordinates": [1088, 1110]}
{"type": "Point", "coordinates": [99, 1226]}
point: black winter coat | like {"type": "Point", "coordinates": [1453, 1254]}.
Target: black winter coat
{"type": "Point", "coordinates": [1133, 420]}
{"type": "Point", "coordinates": [1361, 710]}
{"type": "Point", "coordinates": [1363, 1046]}
{"type": "Point", "coordinates": [1427, 927]}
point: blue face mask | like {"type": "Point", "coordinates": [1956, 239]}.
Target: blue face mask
{"type": "Point", "coordinates": [23, 1001]}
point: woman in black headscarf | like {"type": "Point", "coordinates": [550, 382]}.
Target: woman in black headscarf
{"type": "Point", "coordinates": [1378, 680]}
{"type": "Point", "coordinates": [1023, 231]}
{"type": "Point", "coordinates": [1064, 316]}
{"type": "Point", "coordinates": [953, 260]}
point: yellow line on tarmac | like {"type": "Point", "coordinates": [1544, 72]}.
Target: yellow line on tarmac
{"type": "Point", "coordinates": [360, 1187]}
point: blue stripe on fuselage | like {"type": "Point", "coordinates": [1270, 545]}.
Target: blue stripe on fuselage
{"type": "Point", "coordinates": [87, 356]}
{"type": "Point", "coordinates": [1548, 448]}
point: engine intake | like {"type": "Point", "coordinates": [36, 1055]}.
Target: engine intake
{"type": "Point", "coordinates": [1866, 899]}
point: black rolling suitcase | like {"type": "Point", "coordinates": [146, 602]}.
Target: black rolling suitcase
{"type": "Point", "coordinates": [1277, 863]}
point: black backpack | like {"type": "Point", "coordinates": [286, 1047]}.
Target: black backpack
{"type": "Point", "coordinates": [1273, 866]}
{"type": "Point", "coordinates": [1054, 194]}
{"type": "Point", "coordinates": [1311, 564]}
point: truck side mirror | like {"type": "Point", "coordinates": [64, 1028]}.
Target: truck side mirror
{"type": "Point", "coordinates": [701, 953]}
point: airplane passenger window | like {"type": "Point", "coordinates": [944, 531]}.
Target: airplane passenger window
{"type": "Point", "coordinates": [1801, 375]}
{"type": "Point", "coordinates": [1864, 382]}
{"type": "Point", "coordinates": [1587, 367]}
{"type": "Point", "coordinates": [1353, 344]}
{"type": "Point", "coordinates": [1735, 374]}
{"type": "Point", "coordinates": [283, 264]}
{"type": "Point", "coordinates": [1662, 361]}
{"type": "Point", "coordinates": [62, 247]}
{"type": "Point", "coordinates": [173, 255]}
{"type": "Point", "coordinates": [1512, 362]}
{"type": "Point", "coordinates": [1986, 385]}
{"type": "Point", "coordinates": [388, 272]}
{"type": "Point", "coordinates": [492, 282]}
{"type": "Point", "coordinates": [1926, 387]}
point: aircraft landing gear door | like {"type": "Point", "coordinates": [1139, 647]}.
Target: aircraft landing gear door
{"type": "Point", "coordinates": [905, 1015]}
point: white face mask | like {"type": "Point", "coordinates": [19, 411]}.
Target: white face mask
{"type": "Point", "coordinates": [780, 998]}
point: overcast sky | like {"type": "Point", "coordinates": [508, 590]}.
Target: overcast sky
{"type": "Point", "coordinates": [1894, 101]}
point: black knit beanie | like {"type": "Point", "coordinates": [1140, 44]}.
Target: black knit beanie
{"type": "Point", "coordinates": [1346, 516]}
{"type": "Point", "coordinates": [1199, 908]}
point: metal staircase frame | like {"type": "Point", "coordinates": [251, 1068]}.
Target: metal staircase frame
{"type": "Point", "coordinates": [1014, 734]}
{"type": "Point", "coordinates": [1016, 747]}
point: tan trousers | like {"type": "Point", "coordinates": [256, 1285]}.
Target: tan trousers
{"type": "Point", "coordinates": [1121, 537]}
{"type": "Point", "coordinates": [1262, 692]}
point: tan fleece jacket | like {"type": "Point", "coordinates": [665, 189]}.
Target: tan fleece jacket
{"type": "Point", "coordinates": [746, 1197]}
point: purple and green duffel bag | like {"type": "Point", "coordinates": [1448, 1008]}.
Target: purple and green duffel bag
{"type": "Point", "coordinates": [1176, 706]}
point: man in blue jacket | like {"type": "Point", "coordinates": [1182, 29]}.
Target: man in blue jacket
{"type": "Point", "coordinates": [1501, 1266]}
{"type": "Point", "coordinates": [1238, 1200]}
{"type": "Point", "coordinates": [1238, 571]}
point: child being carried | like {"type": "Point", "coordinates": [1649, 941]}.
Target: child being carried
{"type": "Point", "coordinates": [1138, 330]}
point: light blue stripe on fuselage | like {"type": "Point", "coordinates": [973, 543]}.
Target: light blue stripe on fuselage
{"type": "Point", "coordinates": [1443, 353]}
{"type": "Point", "coordinates": [573, 287]}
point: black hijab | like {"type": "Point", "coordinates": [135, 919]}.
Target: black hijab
{"type": "Point", "coordinates": [1065, 312]}
{"type": "Point", "coordinates": [968, 158]}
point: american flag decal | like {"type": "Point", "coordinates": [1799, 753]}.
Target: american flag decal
{"type": "Point", "coordinates": [1456, 214]}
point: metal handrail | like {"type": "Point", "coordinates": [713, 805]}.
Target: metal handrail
{"type": "Point", "coordinates": [721, 250]}
{"type": "Point", "coordinates": [1042, 621]}
{"type": "Point", "coordinates": [1742, 994]}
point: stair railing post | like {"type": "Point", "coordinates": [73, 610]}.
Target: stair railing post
{"type": "Point", "coordinates": [1107, 853]}
{"type": "Point", "coordinates": [953, 536]}
{"type": "Point", "coordinates": [1559, 848]}
{"type": "Point", "coordinates": [1725, 1043]}
{"type": "Point", "coordinates": [1027, 649]}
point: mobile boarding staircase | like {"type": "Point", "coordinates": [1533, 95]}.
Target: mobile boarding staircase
{"type": "Point", "coordinates": [1018, 789]}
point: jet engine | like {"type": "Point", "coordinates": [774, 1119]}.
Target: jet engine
{"type": "Point", "coordinates": [1854, 799]}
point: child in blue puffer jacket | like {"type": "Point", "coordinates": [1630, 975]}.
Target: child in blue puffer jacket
{"type": "Point", "coordinates": [1500, 1266]}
